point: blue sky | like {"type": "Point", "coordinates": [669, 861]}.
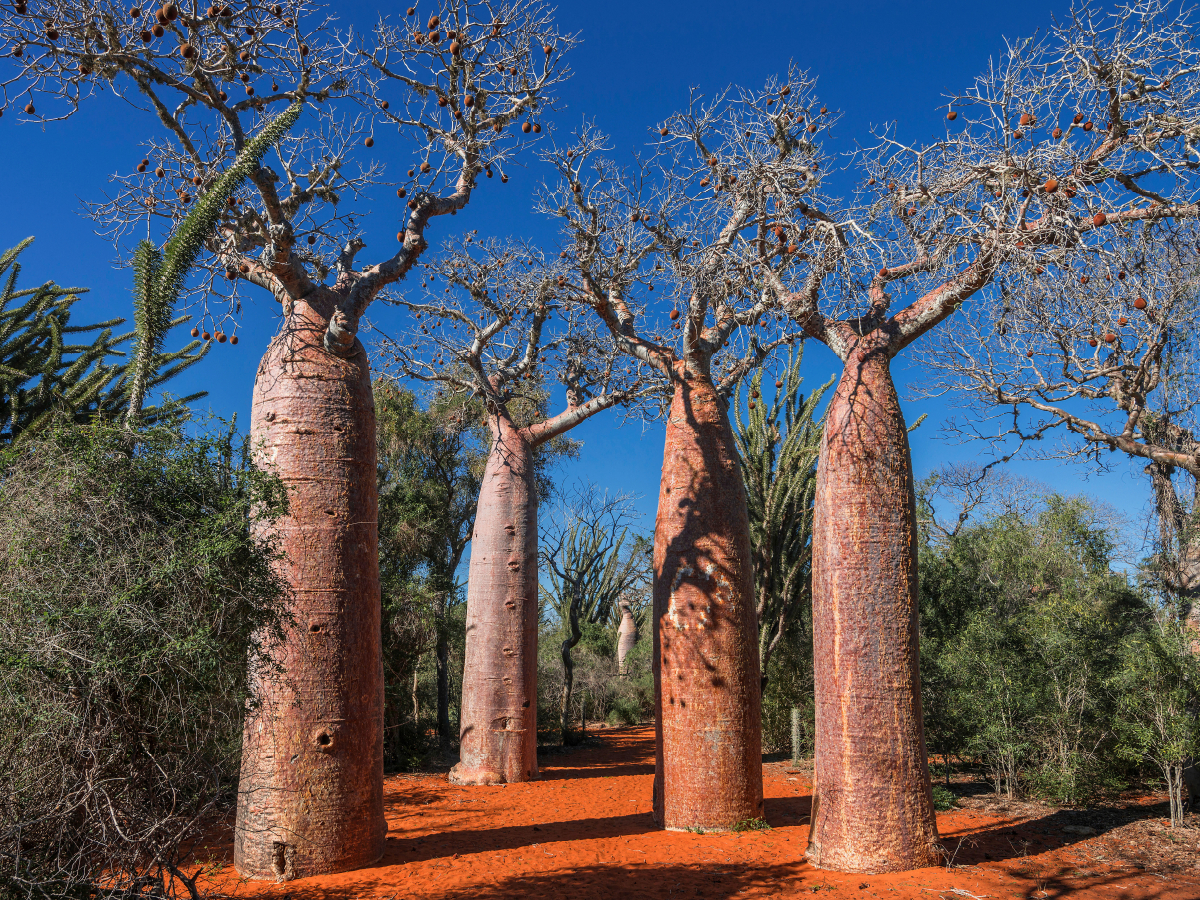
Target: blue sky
{"type": "Point", "coordinates": [876, 62]}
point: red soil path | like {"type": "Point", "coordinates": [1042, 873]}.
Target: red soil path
{"type": "Point", "coordinates": [583, 830]}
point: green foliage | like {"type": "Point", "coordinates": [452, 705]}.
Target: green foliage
{"type": "Point", "coordinates": [131, 586]}
{"type": "Point", "coordinates": [46, 375]}
{"type": "Point", "coordinates": [159, 276]}
{"type": "Point", "coordinates": [1157, 689]}
{"type": "Point", "coordinates": [751, 825]}
{"type": "Point", "coordinates": [430, 466]}
{"type": "Point", "coordinates": [778, 444]}
{"type": "Point", "coordinates": [1023, 628]}
{"type": "Point", "coordinates": [943, 798]}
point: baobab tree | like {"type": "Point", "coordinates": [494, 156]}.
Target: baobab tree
{"type": "Point", "coordinates": [491, 332]}
{"type": "Point", "coordinates": [453, 85]}
{"type": "Point", "coordinates": [683, 222]}
{"type": "Point", "coordinates": [1064, 145]}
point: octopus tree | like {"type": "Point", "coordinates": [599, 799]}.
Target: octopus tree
{"type": "Point", "coordinates": [696, 232]}
{"type": "Point", "coordinates": [491, 332]}
{"type": "Point", "coordinates": [1065, 148]}
{"type": "Point", "coordinates": [310, 798]}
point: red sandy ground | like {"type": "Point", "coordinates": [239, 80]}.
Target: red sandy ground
{"type": "Point", "coordinates": [584, 831]}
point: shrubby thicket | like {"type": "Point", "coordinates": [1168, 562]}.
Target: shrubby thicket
{"type": "Point", "coordinates": [131, 586]}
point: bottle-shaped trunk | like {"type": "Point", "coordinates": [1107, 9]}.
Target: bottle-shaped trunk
{"type": "Point", "coordinates": [310, 799]}
{"type": "Point", "coordinates": [498, 730]}
{"type": "Point", "coordinates": [872, 808]}
{"type": "Point", "coordinates": [627, 635]}
{"type": "Point", "coordinates": [708, 771]}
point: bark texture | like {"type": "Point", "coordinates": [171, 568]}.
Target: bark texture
{"type": "Point", "coordinates": [872, 807]}
{"type": "Point", "coordinates": [310, 800]}
{"type": "Point", "coordinates": [627, 635]}
{"type": "Point", "coordinates": [708, 770]}
{"type": "Point", "coordinates": [498, 719]}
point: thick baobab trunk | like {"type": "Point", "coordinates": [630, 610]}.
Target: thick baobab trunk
{"type": "Point", "coordinates": [498, 718]}
{"type": "Point", "coordinates": [872, 808]}
{"type": "Point", "coordinates": [627, 635]}
{"type": "Point", "coordinates": [708, 771]}
{"type": "Point", "coordinates": [310, 799]}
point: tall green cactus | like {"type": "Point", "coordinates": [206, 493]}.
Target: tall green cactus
{"type": "Point", "coordinates": [779, 443]}
{"type": "Point", "coordinates": [159, 275]}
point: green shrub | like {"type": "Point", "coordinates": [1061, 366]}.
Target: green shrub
{"type": "Point", "coordinates": [131, 586]}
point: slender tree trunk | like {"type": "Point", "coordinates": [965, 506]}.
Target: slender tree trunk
{"type": "Point", "coordinates": [498, 730]}
{"type": "Point", "coordinates": [708, 770]}
{"type": "Point", "coordinates": [573, 636]}
{"type": "Point", "coordinates": [442, 653]}
{"type": "Point", "coordinates": [310, 800]}
{"type": "Point", "coordinates": [627, 636]}
{"type": "Point", "coordinates": [872, 802]}
{"type": "Point", "coordinates": [416, 701]}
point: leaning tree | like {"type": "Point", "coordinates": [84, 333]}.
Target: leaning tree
{"type": "Point", "coordinates": [1068, 144]}
{"type": "Point", "coordinates": [453, 85]}
{"type": "Point", "coordinates": [493, 326]}
{"type": "Point", "coordinates": [657, 224]}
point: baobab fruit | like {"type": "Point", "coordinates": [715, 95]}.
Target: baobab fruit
{"type": "Point", "coordinates": [537, 129]}
{"type": "Point", "coordinates": [1087, 126]}
{"type": "Point", "coordinates": [663, 131]}
{"type": "Point", "coordinates": [674, 314]}
{"type": "Point", "coordinates": [778, 385]}
{"type": "Point", "coordinates": [870, 181]}
{"type": "Point", "coordinates": [244, 56]}
{"type": "Point", "coordinates": [1109, 338]}
{"type": "Point", "coordinates": [370, 142]}
{"type": "Point", "coordinates": [883, 273]}
{"type": "Point", "coordinates": [952, 115]}
{"type": "Point", "coordinates": [141, 167]}
{"type": "Point", "coordinates": [1029, 354]}
{"type": "Point", "coordinates": [526, 127]}
{"type": "Point", "coordinates": [504, 179]}
{"type": "Point", "coordinates": [1056, 133]}
{"type": "Point", "coordinates": [383, 104]}
{"type": "Point", "coordinates": [1139, 303]}
{"type": "Point", "coordinates": [812, 128]}
{"type": "Point", "coordinates": [221, 337]}
{"type": "Point", "coordinates": [244, 268]}
{"type": "Point", "coordinates": [204, 335]}
{"type": "Point", "coordinates": [548, 49]}
{"type": "Point", "coordinates": [1092, 342]}
{"type": "Point", "coordinates": [442, 101]}
{"type": "Point", "coordinates": [1120, 276]}
{"type": "Point", "coordinates": [455, 46]}
{"type": "Point", "coordinates": [1026, 119]}
{"type": "Point", "coordinates": [780, 234]}
{"type": "Point", "coordinates": [401, 193]}
{"type": "Point", "coordinates": [1099, 219]}
{"type": "Point", "coordinates": [158, 31]}
{"type": "Point", "coordinates": [188, 51]}
{"type": "Point", "coordinates": [29, 108]}
{"type": "Point", "coordinates": [434, 21]}
{"type": "Point", "coordinates": [195, 332]}
{"type": "Point", "coordinates": [792, 248]}
{"type": "Point", "coordinates": [823, 110]}
{"type": "Point", "coordinates": [146, 36]}
{"type": "Point", "coordinates": [412, 10]}
{"type": "Point", "coordinates": [1122, 321]}
{"type": "Point", "coordinates": [196, 179]}
{"type": "Point", "coordinates": [425, 167]}
{"type": "Point", "coordinates": [135, 13]}
{"type": "Point", "coordinates": [1083, 279]}
{"type": "Point", "coordinates": [1078, 118]}
{"type": "Point", "coordinates": [1050, 186]}
{"type": "Point", "coordinates": [1017, 135]}
{"type": "Point", "coordinates": [312, 239]}
{"type": "Point", "coordinates": [751, 404]}
{"type": "Point", "coordinates": [233, 339]}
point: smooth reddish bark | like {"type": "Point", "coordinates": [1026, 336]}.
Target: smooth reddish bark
{"type": "Point", "coordinates": [498, 732]}
{"type": "Point", "coordinates": [872, 808]}
{"type": "Point", "coordinates": [627, 635]}
{"type": "Point", "coordinates": [310, 799]}
{"type": "Point", "coordinates": [708, 770]}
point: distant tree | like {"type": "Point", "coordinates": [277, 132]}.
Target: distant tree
{"type": "Point", "coordinates": [489, 334]}
{"type": "Point", "coordinates": [431, 463]}
{"type": "Point", "coordinates": [592, 563]}
{"type": "Point", "coordinates": [44, 378]}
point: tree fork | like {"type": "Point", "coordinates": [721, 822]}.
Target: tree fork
{"type": "Point", "coordinates": [872, 805]}
{"type": "Point", "coordinates": [708, 767]}
{"type": "Point", "coordinates": [498, 730]}
{"type": "Point", "coordinates": [310, 800]}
